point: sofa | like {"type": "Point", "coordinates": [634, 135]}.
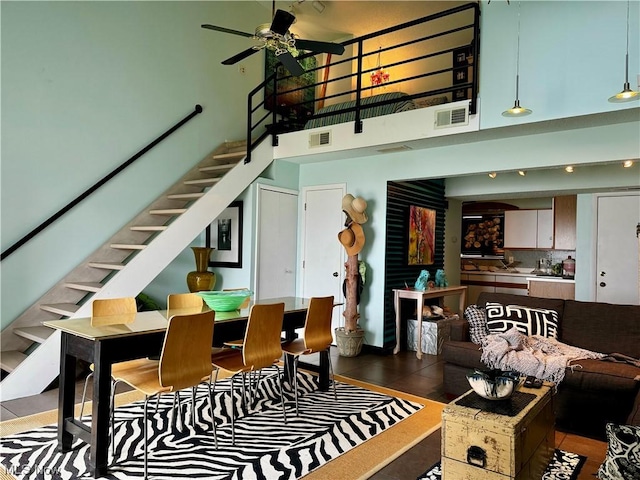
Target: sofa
{"type": "Point", "coordinates": [597, 392]}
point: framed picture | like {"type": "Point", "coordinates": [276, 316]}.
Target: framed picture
{"type": "Point", "coordinates": [224, 234]}
{"type": "Point", "coordinates": [294, 100]}
{"type": "Point", "coordinates": [421, 236]}
{"type": "Point", "coordinates": [462, 56]}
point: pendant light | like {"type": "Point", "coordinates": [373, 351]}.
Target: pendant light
{"type": "Point", "coordinates": [626, 95]}
{"type": "Point", "coordinates": [517, 110]}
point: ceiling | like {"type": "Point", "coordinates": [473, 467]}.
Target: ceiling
{"type": "Point", "coordinates": [341, 19]}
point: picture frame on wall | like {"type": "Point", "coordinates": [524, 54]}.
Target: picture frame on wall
{"type": "Point", "coordinates": [224, 235]}
{"type": "Point", "coordinates": [421, 236]}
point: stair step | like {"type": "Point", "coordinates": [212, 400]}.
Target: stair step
{"type": "Point", "coordinates": [202, 182]}
{"type": "Point", "coordinates": [227, 156]}
{"type": "Point", "coordinates": [107, 266]}
{"type": "Point", "coordinates": [217, 168]}
{"type": "Point", "coordinates": [168, 211]}
{"type": "Point", "coordinates": [65, 309]}
{"type": "Point", "coordinates": [11, 359]}
{"type": "Point", "coordinates": [37, 334]}
{"type": "Point", "coordinates": [148, 228]}
{"type": "Point", "coordinates": [126, 246]}
{"type": "Point", "coordinates": [185, 196]}
{"type": "Point", "coordinates": [85, 286]}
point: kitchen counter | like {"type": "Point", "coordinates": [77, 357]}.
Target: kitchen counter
{"type": "Point", "coordinates": [548, 278]}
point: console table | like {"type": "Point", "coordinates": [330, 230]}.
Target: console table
{"type": "Point", "coordinates": [419, 296]}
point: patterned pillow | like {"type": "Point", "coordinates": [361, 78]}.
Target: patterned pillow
{"type": "Point", "coordinates": [529, 321]}
{"type": "Point", "coordinates": [623, 453]}
{"type": "Point", "coordinates": [477, 319]}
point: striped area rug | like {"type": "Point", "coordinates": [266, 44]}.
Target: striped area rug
{"type": "Point", "coordinates": [266, 448]}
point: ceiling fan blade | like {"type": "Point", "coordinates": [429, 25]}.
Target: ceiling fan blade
{"type": "Point", "coordinates": [282, 21]}
{"type": "Point", "coordinates": [240, 56]}
{"type": "Point", "coordinates": [227, 30]}
{"type": "Point", "coordinates": [291, 63]}
{"type": "Point", "coordinates": [320, 47]}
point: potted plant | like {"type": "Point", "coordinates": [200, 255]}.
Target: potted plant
{"type": "Point", "coordinates": [351, 337]}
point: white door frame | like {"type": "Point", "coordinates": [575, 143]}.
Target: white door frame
{"type": "Point", "coordinates": [264, 186]}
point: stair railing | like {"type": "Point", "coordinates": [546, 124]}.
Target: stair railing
{"type": "Point", "coordinates": [197, 110]}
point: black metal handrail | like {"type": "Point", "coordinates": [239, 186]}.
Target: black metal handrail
{"type": "Point", "coordinates": [261, 130]}
{"type": "Point", "coordinates": [197, 110]}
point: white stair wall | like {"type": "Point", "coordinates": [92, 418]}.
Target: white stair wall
{"type": "Point", "coordinates": [42, 366]}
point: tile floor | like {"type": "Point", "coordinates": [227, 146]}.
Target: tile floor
{"type": "Point", "coordinates": [402, 372]}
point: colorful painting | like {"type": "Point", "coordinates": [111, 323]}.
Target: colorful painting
{"type": "Point", "coordinates": [422, 236]}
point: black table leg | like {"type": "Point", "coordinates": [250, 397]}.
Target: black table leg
{"type": "Point", "coordinates": [66, 395]}
{"type": "Point", "coordinates": [100, 412]}
{"type": "Point", "coordinates": [323, 374]}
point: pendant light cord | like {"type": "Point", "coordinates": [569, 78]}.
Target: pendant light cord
{"type": "Point", "coordinates": [518, 56]}
{"type": "Point", "coordinates": [626, 72]}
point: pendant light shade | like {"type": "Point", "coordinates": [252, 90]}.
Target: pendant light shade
{"type": "Point", "coordinates": [517, 110]}
{"type": "Point", "coordinates": [626, 95]}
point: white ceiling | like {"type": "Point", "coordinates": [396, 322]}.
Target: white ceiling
{"type": "Point", "coordinates": [342, 18]}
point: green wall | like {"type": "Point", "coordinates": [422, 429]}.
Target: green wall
{"type": "Point", "coordinates": [85, 85]}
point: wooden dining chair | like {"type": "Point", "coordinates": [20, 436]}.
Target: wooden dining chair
{"type": "Point", "coordinates": [261, 349]}
{"type": "Point", "coordinates": [185, 362]}
{"type": "Point", "coordinates": [184, 300]}
{"type": "Point", "coordinates": [109, 311]}
{"type": "Point", "coordinates": [316, 338]}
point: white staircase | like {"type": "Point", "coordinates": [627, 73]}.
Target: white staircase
{"type": "Point", "coordinates": [126, 263]}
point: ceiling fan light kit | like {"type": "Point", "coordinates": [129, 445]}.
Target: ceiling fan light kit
{"type": "Point", "coordinates": [626, 95]}
{"type": "Point", "coordinates": [277, 37]}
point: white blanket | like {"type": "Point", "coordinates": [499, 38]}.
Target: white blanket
{"type": "Point", "coordinates": [544, 358]}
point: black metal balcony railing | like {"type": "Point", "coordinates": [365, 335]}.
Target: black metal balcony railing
{"type": "Point", "coordinates": [428, 58]}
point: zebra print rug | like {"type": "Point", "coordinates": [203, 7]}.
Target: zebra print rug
{"type": "Point", "coordinates": [265, 447]}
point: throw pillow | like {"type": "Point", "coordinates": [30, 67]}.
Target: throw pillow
{"type": "Point", "coordinates": [623, 453]}
{"type": "Point", "coordinates": [477, 323]}
{"type": "Point", "coordinates": [528, 321]}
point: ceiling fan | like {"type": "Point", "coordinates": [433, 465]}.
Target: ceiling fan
{"type": "Point", "coordinates": [277, 37]}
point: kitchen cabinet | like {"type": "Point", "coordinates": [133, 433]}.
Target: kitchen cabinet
{"type": "Point", "coordinates": [564, 221]}
{"type": "Point", "coordinates": [552, 288]}
{"type": "Point", "coordinates": [495, 282]}
{"type": "Point", "coordinates": [528, 228]}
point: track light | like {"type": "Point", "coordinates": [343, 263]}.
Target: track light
{"type": "Point", "coordinates": [517, 110]}
{"type": "Point", "coordinates": [627, 164]}
{"type": "Point", "coordinates": [568, 169]}
{"type": "Point", "coordinates": [522, 173]}
{"type": "Point", "coordinates": [493, 175]}
{"type": "Point", "coordinates": [626, 95]}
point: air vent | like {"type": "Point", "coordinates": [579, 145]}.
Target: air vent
{"type": "Point", "coordinates": [401, 148]}
{"type": "Point", "coordinates": [320, 139]}
{"type": "Point", "coordinates": [452, 117]}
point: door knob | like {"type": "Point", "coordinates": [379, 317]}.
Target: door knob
{"type": "Point", "coordinates": [335, 274]}
{"type": "Point", "coordinates": [602, 284]}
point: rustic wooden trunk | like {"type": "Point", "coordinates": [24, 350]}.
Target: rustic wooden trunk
{"type": "Point", "coordinates": [479, 445]}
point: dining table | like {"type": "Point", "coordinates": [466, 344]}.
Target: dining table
{"type": "Point", "coordinates": [105, 343]}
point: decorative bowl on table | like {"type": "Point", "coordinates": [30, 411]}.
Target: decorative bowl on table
{"type": "Point", "coordinates": [225, 301]}
{"type": "Point", "coordinates": [494, 384]}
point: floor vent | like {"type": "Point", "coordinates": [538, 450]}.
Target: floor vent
{"type": "Point", "coordinates": [452, 117]}
{"type": "Point", "coordinates": [320, 139]}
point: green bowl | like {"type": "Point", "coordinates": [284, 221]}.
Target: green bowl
{"type": "Point", "coordinates": [225, 301]}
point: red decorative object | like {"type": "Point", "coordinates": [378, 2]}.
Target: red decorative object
{"type": "Point", "coordinates": [380, 76]}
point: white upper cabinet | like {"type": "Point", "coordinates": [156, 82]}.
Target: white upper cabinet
{"type": "Point", "coordinates": [528, 228]}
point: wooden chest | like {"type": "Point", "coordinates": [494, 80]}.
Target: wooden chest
{"type": "Point", "coordinates": [479, 445]}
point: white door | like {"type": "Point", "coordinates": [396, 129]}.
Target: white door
{"type": "Point", "coordinates": [322, 254]}
{"type": "Point", "coordinates": [277, 217]}
{"type": "Point", "coordinates": [617, 249]}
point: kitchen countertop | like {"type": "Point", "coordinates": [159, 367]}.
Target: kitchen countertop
{"type": "Point", "coordinates": [546, 278]}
